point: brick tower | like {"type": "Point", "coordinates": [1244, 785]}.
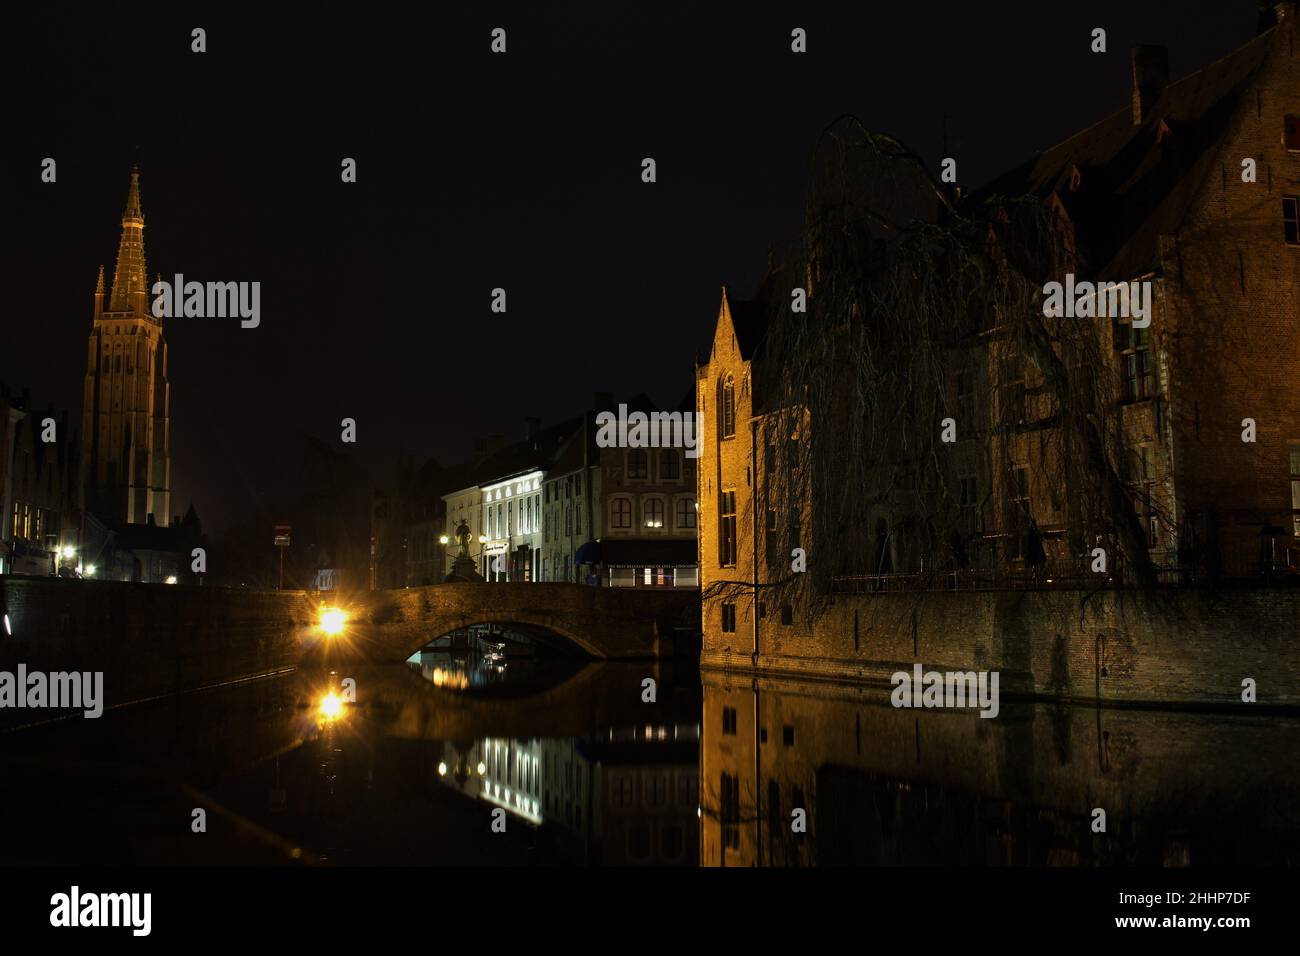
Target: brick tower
{"type": "Point", "coordinates": [127, 425]}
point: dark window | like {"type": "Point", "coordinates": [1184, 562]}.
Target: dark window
{"type": "Point", "coordinates": [965, 400]}
{"type": "Point", "coordinates": [729, 810]}
{"type": "Point", "coordinates": [775, 820]}
{"type": "Point", "coordinates": [729, 720]}
{"type": "Point", "coordinates": [671, 842]}
{"type": "Point", "coordinates": [1295, 488]}
{"type": "Point", "coordinates": [670, 466]}
{"type": "Point", "coordinates": [1012, 380]}
{"type": "Point", "coordinates": [638, 463]}
{"type": "Point", "coordinates": [728, 618]}
{"type": "Point", "coordinates": [727, 529]}
{"type": "Point", "coordinates": [1136, 362]}
{"type": "Point", "coordinates": [1291, 132]}
{"type": "Point", "coordinates": [969, 486]}
{"type": "Point", "coordinates": [621, 513]}
{"type": "Point", "coordinates": [685, 513]}
{"type": "Point", "coordinates": [638, 843]}
{"type": "Point", "coordinates": [726, 407]}
{"type": "Point", "coordinates": [787, 735]}
{"type": "Point", "coordinates": [1291, 219]}
{"type": "Point", "coordinates": [794, 530]}
{"type": "Point", "coordinates": [787, 614]}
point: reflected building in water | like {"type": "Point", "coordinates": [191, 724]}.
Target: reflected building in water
{"type": "Point", "coordinates": [882, 786]}
{"type": "Point", "coordinates": [629, 796]}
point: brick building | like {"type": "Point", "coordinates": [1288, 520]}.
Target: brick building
{"type": "Point", "coordinates": [623, 516]}
{"type": "Point", "coordinates": [1162, 192]}
{"type": "Point", "coordinates": [40, 488]}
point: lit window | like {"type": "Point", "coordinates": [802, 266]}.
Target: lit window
{"type": "Point", "coordinates": [654, 513]}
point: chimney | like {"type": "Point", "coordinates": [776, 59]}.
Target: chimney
{"type": "Point", "coordinates": [486, 446]}
{"type": "Point", "coordinates": [1150, 77]}
{"type": "Point", "coordinates": [534, 425]}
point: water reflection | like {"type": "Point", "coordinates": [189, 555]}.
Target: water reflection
{"type": "Point", "coordinates": [886, 786]}
{"type": "Point", "coordinates": [293, 771]}
{"type": "Point", "coordinates": [383, 765]}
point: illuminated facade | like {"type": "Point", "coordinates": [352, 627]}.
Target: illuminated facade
{"type": "Point", "coordinates": [512, 519]}
{"type": "Point", "coordinates": [127, 423]}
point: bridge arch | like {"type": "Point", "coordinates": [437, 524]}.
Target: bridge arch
{"type": "Point", "coordinates": [600, 622]}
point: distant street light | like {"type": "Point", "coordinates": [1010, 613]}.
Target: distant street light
{"type": "Point", "coordinates": [332, 621]}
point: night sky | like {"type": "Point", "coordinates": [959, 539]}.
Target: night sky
{"type": "Point", "coordinates": [475, 171]}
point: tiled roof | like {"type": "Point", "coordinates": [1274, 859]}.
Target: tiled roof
{"type": "Point", "coordinates": [1136, 182]}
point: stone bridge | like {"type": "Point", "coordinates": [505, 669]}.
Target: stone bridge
{"type": "Point", "coordinates": [599, 622]}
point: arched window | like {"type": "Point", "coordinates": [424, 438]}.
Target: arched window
{"type": "Point", "coordinates": [726, 407]}
{"type": "Point", "coordinates": [620, 513]}
{"type": "Point", "coordinates": [685, 513]}
{"type": "Point", "coordinates": [638, 463]}
{"type": "Point", "coordinates": [654, 513]}
{"type": "Point", "coordinates": [670, 466]}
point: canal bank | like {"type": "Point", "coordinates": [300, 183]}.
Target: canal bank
{"type": "Point", "coordinates": [149, 640]}
{"type": "Point", "coordinates": [1185, 647]}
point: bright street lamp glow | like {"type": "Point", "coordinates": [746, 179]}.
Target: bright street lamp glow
{"type": "Point", "coordinates": [442, 769]}
{"type": "Point", "coordinates": [90, 569]}
{"type": "Point", "coordinates": [332, 621]}
{"type": "Point", "coordinates": [69, 551]}
{"type": "Point", "coordinates": [331, 706]}
{"type": "Point", "coordinates": [443, 539]}
{"type": "Point", "coordinates": [171, 579]}
{"type": "Point", "coordinates": [482, 539]}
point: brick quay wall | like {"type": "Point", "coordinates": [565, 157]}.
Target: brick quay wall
{"type": "Point", "coordinates": [1180, 647]}
{"type": "Point", "coordinates": [151, 639]}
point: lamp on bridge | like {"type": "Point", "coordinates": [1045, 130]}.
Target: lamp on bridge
{"type": "Point", "coordinates": [463, 568]}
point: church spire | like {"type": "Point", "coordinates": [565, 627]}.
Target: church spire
{"type": "Point", "coordinates": [130, 279]}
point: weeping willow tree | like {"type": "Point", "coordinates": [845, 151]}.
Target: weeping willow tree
{"type": "Point", "coordinates": [920, 416]}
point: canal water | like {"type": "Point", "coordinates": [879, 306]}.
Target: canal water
{"type": "Point", "coordinates": [503, 762]}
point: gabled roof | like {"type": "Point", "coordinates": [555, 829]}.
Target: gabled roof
{"type": "Point", "coordinates": [527, 455]}
{"type": "Point", "coordinates": [1132, 183]}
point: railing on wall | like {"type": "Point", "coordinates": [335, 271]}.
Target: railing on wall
{"type": "Point", "coordinates": [1072, 574]}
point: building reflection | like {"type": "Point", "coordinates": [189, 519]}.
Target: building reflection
{"type": "Point", "coordinates": [882, 786]}
{"type": "Point", "coordinates": [627, 796]}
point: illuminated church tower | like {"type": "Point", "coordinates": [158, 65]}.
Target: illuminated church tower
{"type": "Point", "coordinates": [127, 426]}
